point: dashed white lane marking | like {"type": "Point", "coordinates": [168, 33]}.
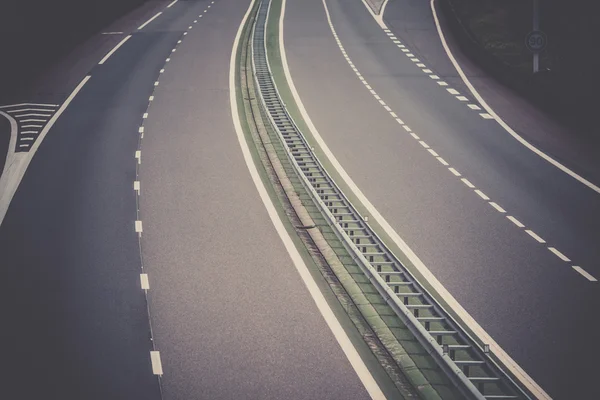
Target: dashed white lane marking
{"type": "Point", "coordinates": [171, 4]}
{"type": "Point", "coordinates": [167, 60]}
{"type": "Point", "coordinates": [442, 83]}
{"type": "Point", "coordinates": [535, 236]}
{"type": "Point", "coordinates": [433, 153]}
{"type": "Point", "coordinates": [481, 194]}
{"type": "Point", "coordinates": [406, 128]}
{"type": "Point", "coordinates": [173, 51]}
{"type": "Point", "coordinates": [156, 363]}
{"type": "Point", "coordinates": [486, 116]}
{"type": "Point", "coordinates": [473, 106]}
{"type": "Point", "coordinates": [452, 91]}
{"type": "Point", "coordinates": [110, 53]}
{"type": "Point", "coordinates": [416, 60]}
{"type": "Point", "coordinates": [151, 98]}
{"type": "Point", "coordinates": [462, 98]}
{"type": "Point", "coordinates": [144, 282]}
{"type": "Point", "coordinates": [468, 183]}
{"type": "Point", "coordinates": [427, 71]}
{"type": "Point", "coordinates": [442, 161]}
{"type": "Point", "coordinates": [150, 20]}
{"type": "Point", "coordinates": [559, 254]}
{"type": "Point", "coordinates": [141, 129]}
{"type": "Point", "coordinates": [190, 27]}
{"type": "Point", "coordinates": [434, 77]}
{"type": "Point", "coordinates": [585, 274]}
{"type": "Point", "coordinates": [422, 143]}
{"type": "Point", "coordinates": [455, 172]}
{"type": "Point", "coordinates": [195, 21]}
{"type": "Point", "coordinates": [145, 115]}
{"type": "Point", "coordinates": [138, 226]}
{"type": "Point", "coordinates": [156, 83]}
{"type": "Point", "coordinates": [414, 135]}
{"type": "Point", "coordinates": [497, 207]}
{"type": "Point", "coordinates": [136, 186]}
{"type": "Point", "coordinates": [421, 65]}
{"type": "Point", "coordinates": [515, 221]}
{"type": "Point", "coordinates": [138, 156]}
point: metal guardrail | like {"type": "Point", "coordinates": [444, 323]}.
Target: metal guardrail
{"type": "Point", "coordinates": [469, 366]}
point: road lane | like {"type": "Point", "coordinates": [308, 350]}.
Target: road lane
{"type": "Point", "coordinates": [231, 316]}
{"type": "Point", "coordinates": [503, 277]}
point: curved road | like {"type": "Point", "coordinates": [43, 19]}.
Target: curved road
{"type": "Point", "coordinates": [229, 318]}
{"type": "Point", "coordinates": [528, 298]}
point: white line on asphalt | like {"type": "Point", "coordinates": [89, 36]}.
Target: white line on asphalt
{"type": "Point", "coordinates": [190, 27]}
{"type": "Point", "coordinates": [559, 254]}
{"type": "Point", "coordinates": [452, 91]}
{"type": "Point", "coordinates": [515, 221]}
{"type": "Point", "coordinates": [171, 4]}
{"type": "Point", "coordinates": [534, 235]}
{"type": "Point", "coordinates": [141, 129]}
{"type": "Point", "coordinates": [29, 109]}
{"type": "Point", "coordinates": [144, 282]}
{"type": "Point", "coordinates": [167, 60]}
{"type": "Point", "coordinates": [416, 60]}
{"type": "Point", "coordinates": [455, 172]}
{"type": "Point", "coordinates": [138, 156]}
{"type": "Point", "coordinates": [415, 136]}
{"type": "Point", "coordinates": [156, 363]}
{"type": "Point", "coordinates": [410, 55]}
{"type": "Point", "coordinates": [110, 53]}
{"type": "Point", "coordinates": [514, 134]}
{"type": "Point", "coordinates": [406, 128]}
{"type": "Point", "coordinates": [28, 132]}
{"type": "Point", "coordinates": [398, 120]}
{"type": "Point", "coordinates": [486, 116]}
{"type": "Point", "coordinates": [151, 98]}
{"type": "Point", "coordinates": [427, 71]}
{"type": "Point", "coordinates": [156, 83]}
{"type": "Point", "coordinates": [33, 120]}
{"type": "Point", "coordinates": [334, 325]}
{"type": "Point", "coordinates": [421, 65]}
{"type": "Point", "coordinates": [497, 207]}
{"type": "Point", "coordinates": [474, 107]}
{"type": "Point", "coordinates": [111, 33]}
{"type": "Point", "coordinates": [16, 165]}
{"type": "Point", "coordinates": [173, 51]}
{"type": "Point", "coordinates": [145, 115]}
{"type": "Point", "coordinates": [442, 161]}
{"type": "Point", "coordinates": [585, 273]}
{"type": "Point", "coordinates": [393, 114]}
{"type": "Point", "coordinates": [33, 115]}
{"type": "Point", "coordinates": [136, 186]}
{"type": "Point", "coordinates": [427, 275]}
{"type": "Point", "coordinates": [442, 83]}
{"type": "Point", "coordinates": [433, 153]}
{"type": "Point", "coordinates": [138, 226]}
{"type": "Point", "coordinates": [434, 77]}
{"type": "Point", "coordinates": [29, 104]}
{"type": "Point", "coordinates": [387, 108]}
{"type": "Point", "coordinates": [32, 126]}
{"type": "Point", "coordinates": [481, 194]}
{"type": "Point", "coordinates": [195, 21]}
{"type": "Point", "coordinates": [422, 143]}
{"type": "Point", "coordinates": [462, 98]}
{"type": "Point", "coordinates": [150, 20]}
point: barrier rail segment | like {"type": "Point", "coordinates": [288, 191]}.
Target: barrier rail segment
{"type": "Point", "coordinates": [467, 364]}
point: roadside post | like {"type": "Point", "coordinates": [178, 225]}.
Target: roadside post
{"type": "Point", "coordinates": [536, 40]}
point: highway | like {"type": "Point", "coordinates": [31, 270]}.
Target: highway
{"type": "Point", "coordinates": [142, 259]}
{"type": "Point", "coordinates": [525, 295]}
{"type": "Point", "coordinates": [224, 305]}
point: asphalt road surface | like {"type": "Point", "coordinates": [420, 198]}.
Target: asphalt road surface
{"type": "Point", "coordinates": [534, 304]}
{"type": "Point", "coordinates": [230, 314]}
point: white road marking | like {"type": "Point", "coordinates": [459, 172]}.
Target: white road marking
{"type": "Point", "coordinates": [167, 60]}
{"type": "Point", "coordinates": [29, 104]}
{"type": "Point", "coordinates": [334, 325]}
{"type": "Point", "coordinates": [136, 186]}
{"type": "Point", "coordinates": [398, 120]}
{"type": "Point", "coordinates": [150, 20]}
{"type": "Point", "coordinates": [367, 85]}
{"type": "Point", "coordinates": [373, 92]}
{"type": "Point", "coordinates": [171, 4]}
{"type": "Point", "coordinates": [29, 109]}
{"type": "Point", "coordinates": [402, 46]}
{"type": "Point", "coordinates": [422, 143]}
{"type": "Point", "coordinates": [33, 120]}
{"type": "Point", "coordinates": [173, 51]}
{"type": "Point", "coordinates": [31, 126]}
{"type": "Point", "coordinates": [474, 107]}
{"type": "Point", "coordinates": [434, 77]}
{"type": "Point", "coordinates": [455, 172]}
{"type": "Point", "coordinates": [452, 91]}
{"type": "Point", "coordinates": [195, 21]}
{"type": "Point", "coordinates": [393, 38]}
{"type": "Point", "coordinates": [497, 207]}
{"type": "Point", "coordinates": [532, 385]}
{"type": "Point", "coordinates": [468, 183]}
{"type": "Point", "coordinates": [138, 156]}
{"type": "Point", "coordinates": [156, 83]}
{"type": "Point", "coordinates": [559, 254]}
{"type": "Point", "coordinates": [184, 33]}
{"type": "Point", "coordinates": [406, 128]}
{"type": "Point", "coordinates": [410, 55]}
{"type": "Point", "coordinates": [144, 282]}
{"type": "Point", "coordinates": [481, 194]}
{"type": "Point", "coordinates": [393, 114]}
{"type": "Point", "coordinates": [397, 42]}
{"type": "Point", "coordinates": [138, 226]}
{"type": "Point", "coordinates": [29, 132]}
{"type": "Point", "coordinates": [486, 116]}
{"type": "Point", "coordinates": [381, 102]}
{"type": "Point", "coordinates": [421, 65]}
{"type": "Point", "coordinates": [141, 129]}
{"type": "Point", "coordinates": [415, 136]}
{"type": "Point", "coordinates": [111, 33]}
{"type": "Point", "coordinates": [156, 363]}
{"type": "Point", "coordinates": [27, 138]}
{"type": "Point", "coordinates": [442, 161]}
{"type": "Point", "coordinates": [33, 115]}
{"type": "Point", "coordinates": [433, 153]}
{"type": "Point", "coordinates": [190, 27]}
{"type": "Point", "coordinates": [462, 98]}
{"type": "Point", "coordinates": [535, 236]}
{"type": "Point", "coordinates": [415, 60]}
{"type": "Point", "coordinates": [466, 318]}
{"type": "Point", "coordinates": [145, 115]}
{"type": "Point", "coordinates": [515, 221]}
{"type": "Point", "coordinates": [442, 83]}
{"type": "Point", "coordinates": [427, 71]}
{"type": "Point", "coordinates": [405, 50]}
{"type": "Point", "coordinates": [16, 164]}
{"type": "Point", "coordinates": [585, 274]}
{"type": "Point", "coordinates": [387, 108]}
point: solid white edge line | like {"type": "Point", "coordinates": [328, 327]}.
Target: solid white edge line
{"type": "Point", "coordinates": [110, 53]}
{"type": "Point", "coordinates": [173, 2]}
{"type": "Point", "coordinates": [16, 163]}
{"type": "Point", "coordinates": [585, 273]}
{"type": "Point", "coordinates": [496, 117]}
{"type": "Point", "coordinates": [334, 325]}
{"type": "Point", "coordinates": [156, 363]}
{"type": "Point", "coordinates": [150, 20]}
{"type": "Point", "coordinates": [511, 364]}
